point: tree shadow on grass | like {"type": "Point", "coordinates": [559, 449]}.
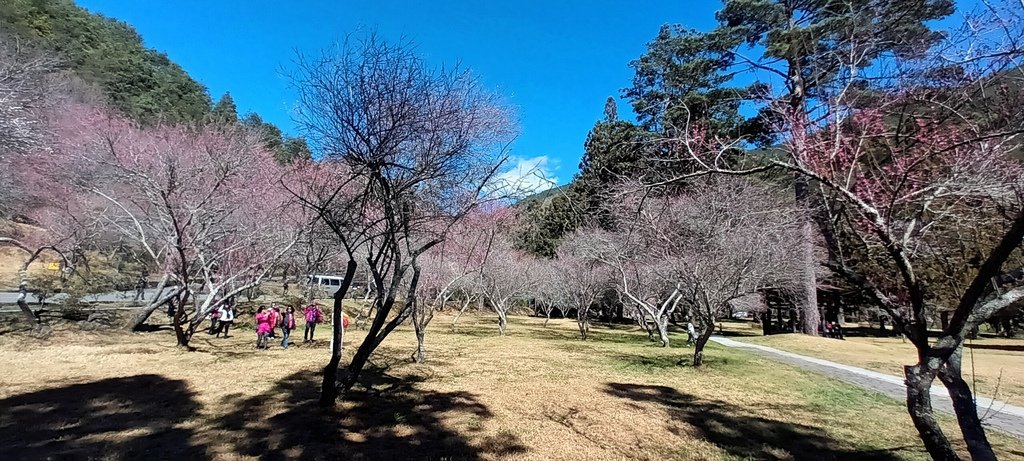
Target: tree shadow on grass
{"type": "Point", "coordinates": [747, 437]}
{"type": "Point", "coordinates": [135, 417]}
{"type": "Point", "coordinates": [385, 418]}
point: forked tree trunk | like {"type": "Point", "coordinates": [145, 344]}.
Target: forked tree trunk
{"type": "Point", "coordinates": [584, 326]}
{"type": "Point", "coordinates": [421, 317]}
{"type": "Point", "coordinates": [662, 323]}
{"type": "Point", "coordinates": [502, 321]}
{"type": "Point", "coordinates": [698, 347]}
{"type": "Point", "coordinates": [380, 327]}
{"type": "Point", "coordinates": [329, 385]}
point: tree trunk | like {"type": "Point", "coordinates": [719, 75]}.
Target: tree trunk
{"type": "Point", "coordinates": [698, 347]}
{"type": "Point", "coordinates": [766, 323]}
{"type": "Point", "coordinates": [662, 323]}
{"type": "Point", "coordinates": [583, 322]}
{"type": "Point", "coordinates": [919, 405]}
{"type": "Point", "coordinates": [502, 322]}
{"type": "Point", "coordinates": [421, 316]}
{"type": "Point", "coordinates": [421, 351]}
{"type": "Point", "coordinates": [23, 298]}
{"type": "Point", "coordinates": [965, 409]}
{"type": "Point", "coordinates": [179, 318]}
{"type": "Point", "coordinates": [158, 300]}
{"type": "Point", "coordinates": [380, 327]}
{"type": "Point", "coordinates": [465, 305]}
{"type": "Point", "coordinates": [811, 319]}
{"type": "Point", "coordinates": [329, 386]}
{"type": "Point", "coordinates": [547, 316]}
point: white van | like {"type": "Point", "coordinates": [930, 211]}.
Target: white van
{"type": "Point", "coordinates": [328, 283]}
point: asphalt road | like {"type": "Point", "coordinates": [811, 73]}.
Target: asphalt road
{"type": "Point", "coordinates": [7, 297]}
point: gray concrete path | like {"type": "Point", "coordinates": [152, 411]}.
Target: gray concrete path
{"type": "Point", "coordinates": [1000, 415]}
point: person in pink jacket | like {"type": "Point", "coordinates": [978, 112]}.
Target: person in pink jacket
{"type": "Point", "coordinates": [263, 326]}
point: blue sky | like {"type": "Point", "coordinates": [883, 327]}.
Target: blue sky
{"type": "Point", "coordinates": [555, 61]}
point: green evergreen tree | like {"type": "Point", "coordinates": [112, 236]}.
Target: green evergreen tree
{"type": "Point", "coordinates": [225, 111]}
{"type": "Point", "coordinates": [611, 111]}
{"type": "Point", "coordinates": [682, 79]}
{"type": "Point", "coordinates": [293, 149]}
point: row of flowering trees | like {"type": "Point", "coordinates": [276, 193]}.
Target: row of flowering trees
{"type": "Point", "coordinates": [202, 206]}
{"type": "Point", "coordinates": [670, 254]}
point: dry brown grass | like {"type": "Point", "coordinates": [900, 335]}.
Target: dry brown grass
{"type": "Point", "coordinates": [11, 260]}
{"type": "Point", "coordinates": [995, 365]}
{"type": "Point", "coordinates": [538, 393]}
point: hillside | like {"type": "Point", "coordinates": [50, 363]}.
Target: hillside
{"type": "Point", "coordinates": [141, 82]}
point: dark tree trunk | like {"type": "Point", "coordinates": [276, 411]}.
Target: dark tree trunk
{"type": "Point", "coordinates": [698, 347]}
{"type": "Point", "coordinates": [583, 322]}
{"type": "Point", "coordinates": [766, 323]}
{"type": "Point", "coordinates": [380, 327]}
{"type": "Point", "coordinates": [811, 318]}
{"type": "Point", "coordinates": [965, 409]}
{"type": "Point", "coordinates": [919, 405]}
{"type": "Point", "coordinates": [329, 386]}
{"type": "Point", "coordinates": [178, 320]}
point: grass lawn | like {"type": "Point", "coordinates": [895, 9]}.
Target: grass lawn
{"type": "Point", "coordinates": [538, 393]}
{"type": "Point", "coordinates": [995, 365]}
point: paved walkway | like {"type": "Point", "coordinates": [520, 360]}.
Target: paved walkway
{"type": "Point", "coordinates": [997, 414]}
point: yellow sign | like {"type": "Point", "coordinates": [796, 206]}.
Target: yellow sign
{"type": "Point", "coordinates": [53, 266]}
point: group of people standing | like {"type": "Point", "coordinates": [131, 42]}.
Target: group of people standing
{"type": "Point", "coordinates": [268, 320]}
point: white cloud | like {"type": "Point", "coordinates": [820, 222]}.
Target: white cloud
{"type": "Point", "coordinates": [527, 176]}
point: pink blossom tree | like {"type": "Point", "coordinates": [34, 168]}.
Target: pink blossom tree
{"type": "Point", "coordinates": [508, 276]}
{"type": "Point", "coordinates": [204, 204]}
{"type": "Point", "coordinates": [448, 269]}
{"type": "Point", "coordinates": [578, 280]}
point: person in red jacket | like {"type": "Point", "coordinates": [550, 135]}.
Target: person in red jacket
{"type": "Point", "coordinates": [263, 327]}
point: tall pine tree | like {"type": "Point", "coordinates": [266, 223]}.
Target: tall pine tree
{"type": "Point", "coordinates": [225, 111]}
